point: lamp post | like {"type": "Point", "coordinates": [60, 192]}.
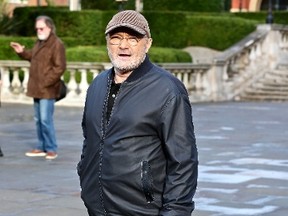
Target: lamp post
{"type": "Point", "coordinates": [269, 18]}
{"type": "Point", "coordinates": [139, 5]}
{"type": "Point", "coordinates": [277, 5]}
{"type": "Point", "coordinates": [121, 7]}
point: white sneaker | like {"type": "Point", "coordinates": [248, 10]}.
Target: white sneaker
{"type": "Point", "coordinates": [35, 153]}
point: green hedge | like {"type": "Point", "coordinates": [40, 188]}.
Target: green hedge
{"type": "Point", "coordinates": [169, 29]}
{"type": "Point", "coordinates": [99, 54]}
{"type": "Point", "coordinates": [86, 26]}
{"type": "Point", "coordinates": [91, 53]}
{"type": "Point", "coordinates": [161, 5]}
{"type": "Point", "coordinates": [280, 17]}
{"type": "Point", "coordinates": [7, 53]}
{"type": "Point", "coordinates": [218, 33]}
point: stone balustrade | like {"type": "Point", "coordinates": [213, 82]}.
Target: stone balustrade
{"type": "Point", "coordinates": [15, 76]}
{"type": "Point", "coordinates": [239, 66]}
{"type": "Point", "coordinates": [230, 73]}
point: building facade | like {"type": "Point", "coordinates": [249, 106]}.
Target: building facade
{"type": "Point", "coordinates": [72, 4]}
{"type": "Point", "coordinates": [39, 2]}
{"type": "Point", "coordinates": [258, 5]}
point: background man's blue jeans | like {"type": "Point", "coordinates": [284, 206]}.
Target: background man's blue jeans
{"type": "Point", "coordinates": [43, 115]}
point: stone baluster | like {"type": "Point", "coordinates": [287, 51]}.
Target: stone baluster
{"type": "Point", "coordinates": [185, 79]}
{"type": "Point", "coordinates": [16, 83]}
{"type": "Point", "coordinates": [83, 85]}
{"type": "Point", "coordinates": [72, 85]}
{"type": "Point", "coordinates": [253, 53]}
{"type": "Point", "coordinates": [26, 78]}
{"type": "Point", "coordinates": [177, 74]}
{"type": "Point", "coordinates": [95, 72]}
{"type": "Point", "coordinates": [198, 81]}
{"type": "Point", "coordinates": [204, 85]}
{"type": "Point", "coordinates": [5, 91]}
{"type": "Point", "coordinates": [259, 49]}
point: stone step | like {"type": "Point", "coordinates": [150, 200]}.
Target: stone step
{"type": "Point", "coordinates": [273, 86]}
{"type": "Point", "coordinates": [276, 77]}
{"type": "Point", "coordinates": [269, 92]}
{"type": "Point", "coordinates": [263, 98]}
{"type": "Point", "coordinates": [270, 86]}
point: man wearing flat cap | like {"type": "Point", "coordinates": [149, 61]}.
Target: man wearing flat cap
{"type": "Point", "coordinates": [139, 155]}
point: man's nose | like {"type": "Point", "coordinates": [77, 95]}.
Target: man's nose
{"type": "Point", "coordinates": [124, 43]}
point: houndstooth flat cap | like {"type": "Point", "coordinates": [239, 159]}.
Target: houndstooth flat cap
{"type": "Point", "coordinates": [129, 19]}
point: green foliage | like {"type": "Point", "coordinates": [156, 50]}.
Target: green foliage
{"type": "Point", "coordinates": [161, 5]}
{"type": "Point", "coordinates": [87, 54]}
{"type": "Point", "coordinates": [90, 53]}
{"type": "Point", "coordinates": [187, 5]}
{"type": "Point", "coordinates": [99, 54]}
{"type": "Point", "coordinates": [6, 24]}
{"type": "Point", "coordinates": [99, 4]}
{"type": "Point", "coordinates": [217, 32]}
{"type": "Point", "coordinates": [85, 26]}
{"type": "Point", "coordinates": [7, 53]}
{"type": "Point", "coordinates": [169, 29]}
{"type": "Point", "coordinates": [160, 54]}
{"type": "Point", "coordinates": [280, 17]}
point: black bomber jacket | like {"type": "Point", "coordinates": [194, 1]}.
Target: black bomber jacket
{"type": "Point", "coordinates": [143, 161]}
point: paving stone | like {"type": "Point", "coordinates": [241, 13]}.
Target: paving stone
{"type": "Point", "coordinates": [243, 165]}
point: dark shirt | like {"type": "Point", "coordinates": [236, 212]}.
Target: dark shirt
{"type": "Point", "coordinates": [112, 95]}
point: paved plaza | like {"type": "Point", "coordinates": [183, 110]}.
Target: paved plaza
{"type": "Point", "coordinates": [243, 153]}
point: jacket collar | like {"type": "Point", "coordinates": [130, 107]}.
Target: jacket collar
{"type": "Point", "coordinates": [49, 42]}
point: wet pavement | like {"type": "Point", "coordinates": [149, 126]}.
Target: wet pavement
{"type": "Point", "coordinates": [242, 151]}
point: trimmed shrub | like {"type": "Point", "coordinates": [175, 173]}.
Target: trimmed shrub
{"type": "Point", "coordinates": [169, 29]}
{"type": "Point", "coordinates": [161, 5]}
{"type": "Point", "coordinates": [90, 53]}
{"type": "Point", "coordinates": [7, 53]}
{"type": "Point", "coordinates": [160, 54]}
{"type": "Point", "coordinates": [87, 54]}
{"type": "Point", "coordinates": [218, 33]}
{"type": "Point", "coordinates": [99, 54]}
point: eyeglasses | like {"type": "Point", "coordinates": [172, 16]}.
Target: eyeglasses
{"type": "Point", "coordinates": [40, 29]}
{"type": "Point", "coordinates": [117, 40]}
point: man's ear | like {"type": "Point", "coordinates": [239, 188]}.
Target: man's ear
{"type": "Point", "coordinates": [149, 44]}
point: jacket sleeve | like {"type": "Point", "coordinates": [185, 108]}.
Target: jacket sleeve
{"type": "Point", "coordinates": [26, 55]}
{"type": "Point", "coordinates": [182, 157]}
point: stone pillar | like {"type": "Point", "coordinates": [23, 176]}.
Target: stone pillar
{"type": "Point", "coordinates": [139, 5]}
{"type": "Point", "coordinates": [74, 5]}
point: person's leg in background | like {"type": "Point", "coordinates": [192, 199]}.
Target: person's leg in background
{"type": "Point", "coordinates": [47, 130]}
{"type": "Point", "coordinates": [39, 150]}
{"type": "Point", "coordinates": [37, 119]}
{"type": "Point", "coordinates": [1, 153]}
{"type": "Point", "coordinates": [43, 115]}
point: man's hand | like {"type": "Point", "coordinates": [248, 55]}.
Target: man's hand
{"type": "Point", "coordinates": [18, 48]}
